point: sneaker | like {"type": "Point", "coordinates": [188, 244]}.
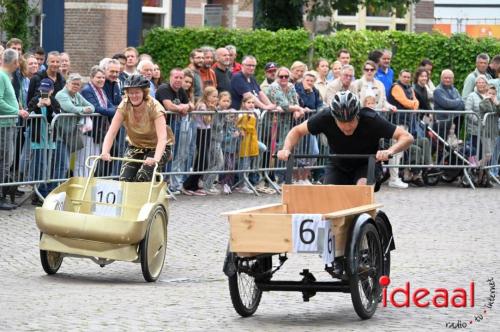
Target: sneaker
{"type": "Point", "coordinates": [397, 183]}
{"type": "Point", "coordinates": [174, 191]}
{"type": "Point", "coordinates": [213, 191]}
{"type": "Point", "coordinates": [187, 192]}
{"type": "Point", "coordinates": [244, 190]}
{"type": "Point", "coordinates": [25, 188]}
{"type": "Point", "coordinates": [200, 192]}
{"type": "Point", "coordinates": [307, 182]}
{"type": "Point", "coordinates": [226, 190]}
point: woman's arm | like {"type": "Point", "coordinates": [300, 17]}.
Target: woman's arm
{"type": "Point", "coordinates": [116, 123]}
{"type": "Point", "coordinates": [161, 133]}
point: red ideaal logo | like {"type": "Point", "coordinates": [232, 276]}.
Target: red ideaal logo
{"type": "Point", "coordinates": [423, 297]}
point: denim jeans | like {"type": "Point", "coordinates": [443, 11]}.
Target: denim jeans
{"type": "Point", "coordinates": [183, 132]}
{"type": "Point", "coordinates": [7, 150]}
{"type": "Point", "coordinates": [496, 154]}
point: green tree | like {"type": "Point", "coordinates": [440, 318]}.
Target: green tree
{"type": "Point", "coordinates": [14, 19]}
{"type": "Point", "coordinates": [287, 14]}
{"type": "Point", "coordinates": [279, 14]}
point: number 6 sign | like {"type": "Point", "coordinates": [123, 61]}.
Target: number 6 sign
{"type": "Point", "coordinates": [305, 232]}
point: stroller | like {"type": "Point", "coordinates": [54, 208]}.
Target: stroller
{"type": "Point", "coordinates": [451, 153]}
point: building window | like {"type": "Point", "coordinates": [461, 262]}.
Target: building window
{"type": "Point", "coordinates": [377, 27]}
{"type": "Point", "coordinates": [400, 27]}
{"type": "Point", "coordinates": [346, 27]}
{"type": "Point", "coordinates": [378, 11]}
{"type": "Point", "coordinates": [155, 13]}
{"type": "Point", "coordinates": [152, 3]}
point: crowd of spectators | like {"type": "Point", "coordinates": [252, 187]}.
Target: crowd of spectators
{"type": "Point", "coordinates": [214, 82]}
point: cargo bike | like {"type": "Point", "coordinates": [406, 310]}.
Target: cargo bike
{"type": "Point", "coordinates": [105, 220]}
{"type": "Point", "coordinates": [340, 222]}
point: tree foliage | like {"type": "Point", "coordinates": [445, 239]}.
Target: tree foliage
{"type": "Point", "coordinates": [279, 14]}
{"type": "Point", "coordinates": [171, 47]}
{"type": "Point", "coordinates": [287, 14]}
{"type": "Point", "coordinates": [14, 19]}
{"type": "Point", "coordinates": [317, 8]}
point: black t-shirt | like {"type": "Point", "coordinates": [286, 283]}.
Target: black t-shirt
{"type": "Point", "coordinates": [364, 140]}
{"type": "Point", "coordinates": [178, 97]}
{"type": "Point", "coordinates": [223, 79]}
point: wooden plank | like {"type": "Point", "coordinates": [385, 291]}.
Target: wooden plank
{"type": "Point", "coordinates": [269, 208]}
{"type": "Point", "coordinates": [260, 233]}
{"type": "Point", "coordinates": [325, 198]}
{"type": "Point", "coordinates": [353, 211]}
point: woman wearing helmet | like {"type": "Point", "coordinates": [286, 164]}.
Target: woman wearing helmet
{"type": "Point", "coordinates": [349, 130]}
{"type": "Point", "coordinates": [144, 120]}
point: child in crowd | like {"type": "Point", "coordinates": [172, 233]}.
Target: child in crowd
{"type": "Point", "coordinates": [230, 145]}
{"type": "Point", "coordinates": [370, 101]}
{"type": "Point", "coordinates": [216, 159]}
{"type": "Point", "coordinates": [208, 102]}
{"type": "Point", "coordinates": [249, 147]}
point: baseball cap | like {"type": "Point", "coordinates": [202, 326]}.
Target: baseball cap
{"type": "Point", "coordinates": [271, 66]}
{"type": "Point", "coordinates": [46, 85]}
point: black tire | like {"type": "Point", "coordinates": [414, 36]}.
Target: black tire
{"type": "Point", "coordinates": [51, 261]}
{"type": "Point", "coordinates": [385, 237]}
{"type": "Point", "coordinates": [450, 175]}
{"type": "Point", "coordinates": [245, 295]}
{"type": "Point", "coordinates": [154, 245]}
{"type": "Point", "coordinates": [364, 279]}
{"type": "Point", "coordinates": [430, 180]}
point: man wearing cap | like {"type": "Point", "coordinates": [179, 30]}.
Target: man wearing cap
{"type": "Point", "coordinates": [46, 105]}
{"type": "Point", "coordinates": [221, 69]}
{"type": "Point", "coordinates": [270, 70]}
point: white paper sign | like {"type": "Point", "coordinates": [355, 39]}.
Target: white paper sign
{"type": "Point", "coordinates": [305, 232]}
{"type": "Point", "coordinates": [328, 243]}
{"type": "Point", "coordinates": [55, 202]}
{"type": "Point", "coordinates": [107, 192]}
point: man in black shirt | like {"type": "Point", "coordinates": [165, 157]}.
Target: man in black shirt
{"type": "Point", "coordinates": [221, 69]}
{"type": "Point", "coordinates": [349, 130]}
{"type": "Point", "coordinates": [173, 97]}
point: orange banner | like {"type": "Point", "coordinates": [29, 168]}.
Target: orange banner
{"type": "Point", "coordinates": [483, 30]}
{"type": "Point", "coordinates": [445, 29]}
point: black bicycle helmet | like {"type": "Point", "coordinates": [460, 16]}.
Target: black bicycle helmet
{"type": "Point", "coordinates": [136, 81]}
{"type": "Point", "coordinates": [345, 106]}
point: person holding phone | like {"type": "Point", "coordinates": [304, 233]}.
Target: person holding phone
{"type": "Point", "coordinates": [46, 105]}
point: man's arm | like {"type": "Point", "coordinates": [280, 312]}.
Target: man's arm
{"type": "Point", "coordinates": [403, 141]}
{"type": "Point", "coordinates": [292, 139]}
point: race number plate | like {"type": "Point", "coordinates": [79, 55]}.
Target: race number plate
{"type": "Point", "coordinates": [107, 194]}
{"type": "Point", "coordinates": [312, 234]}
{"type": "Point", "coordinates": [305, 232]}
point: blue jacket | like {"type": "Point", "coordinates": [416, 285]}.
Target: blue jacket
{"type": "Point", "coordinates": [447, 98]}
{"type": "Point", "coordinates": [100, 125]}
{"type": "Point", "coordinates": [89, 94]}
{"type": "Point", "coordinates": [386, 79]}
{"type": "Point", "coordinates": [311, 100]}
{"type": "Point", "coordinates": [112, 91]}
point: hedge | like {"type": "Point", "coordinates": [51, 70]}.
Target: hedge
{"type": "Point", "coordinates": [171, 47]}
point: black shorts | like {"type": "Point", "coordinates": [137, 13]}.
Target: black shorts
{"type": "Point", "coordinates": [338, 175]}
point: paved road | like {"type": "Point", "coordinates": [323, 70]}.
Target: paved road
{"type": "Point", "coordinates": [445, 237]}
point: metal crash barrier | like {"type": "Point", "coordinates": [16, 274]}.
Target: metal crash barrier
{"type": "Point", "coordinates": [233, 147]}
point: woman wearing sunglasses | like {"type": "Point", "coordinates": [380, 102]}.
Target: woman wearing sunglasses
{"type": "Point", "coordinates": [369, 85]}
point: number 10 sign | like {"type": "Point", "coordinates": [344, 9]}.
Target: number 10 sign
{"type": "Point", "coordinates": [107, 195]}
{"type": "Point", "coordinates": [312, 234]}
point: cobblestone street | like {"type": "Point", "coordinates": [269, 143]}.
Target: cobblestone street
{"type": "Point", "coordinates": [445, 237]}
